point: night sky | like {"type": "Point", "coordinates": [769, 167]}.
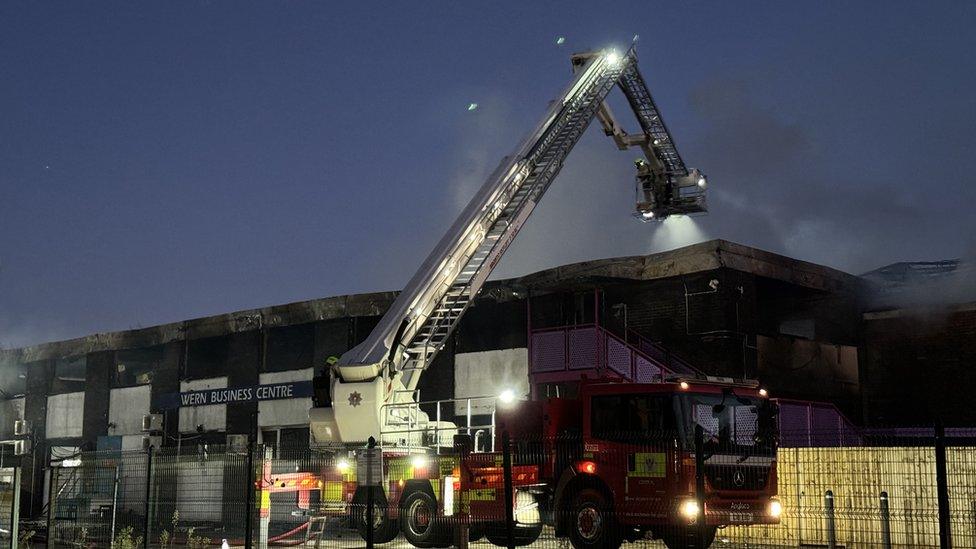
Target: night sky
{"type": "Point", "coordinates": [169, 160]}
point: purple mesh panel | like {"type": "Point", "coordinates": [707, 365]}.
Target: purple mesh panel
{"type": "Point", "coordinates": [745, 425]}
{"type": "Point", "coordinates": [793, 426]}
{"type": "Point", "coordinates": [647, 371]}
{"type": "Point", "coordinates": [583, 347]}
{"type": "Point", "coordinates": [703, 416]}
{"type": "Point", "coordinates": [618, 356]}
{"type": "Point", "coordinates": [826, 427]}
{"type": "Point", "coordinates": [548, 351]}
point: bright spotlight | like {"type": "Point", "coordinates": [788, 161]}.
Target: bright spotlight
{"type": "Point", "coordinates": [702, 183]}
{"type": "Point", "coordinates": [343, 465]}
{"type": "Point", "coordinates": [647, 215]}
{"type": "Point", "coordinates": [507, 396]}
{"type": "Point", "coordinates": [418, 461]}
{"type": "Point", "coordinates": [613, 58]}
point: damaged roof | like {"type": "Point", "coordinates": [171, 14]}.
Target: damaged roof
{"type": "Point", "coordinates": [703, 257]}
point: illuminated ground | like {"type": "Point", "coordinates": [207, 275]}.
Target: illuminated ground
{"type": "Point", "coordinates": [345, 539]}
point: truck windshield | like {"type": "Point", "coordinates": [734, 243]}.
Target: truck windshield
{"type": "Point", "coordinates": [731, 423]}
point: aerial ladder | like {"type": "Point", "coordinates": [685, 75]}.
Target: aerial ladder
{"type": "Point", "coordinates": [374, 384]}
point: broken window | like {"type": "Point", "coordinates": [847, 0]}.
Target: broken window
{"type": "Point", "coordinates": [13, 379]}
{"type": "Point", "coordinates": [206, 357]}
{"type": "Point", "coordinates": [136, 366]}
{"type": "Point", "coordinates": [69, 374]}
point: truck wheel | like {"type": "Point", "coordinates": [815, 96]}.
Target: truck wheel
{"type": "Point", "coordinates": [591, 522]}
{"type": "Point", "coordinates": [522, 534]}
{"type": "Point", "coordinates": [419, 521]}
{"type": "Point", "coordinates": [384, 528]}
{"type": "Point", "coordinates": [686, 537]}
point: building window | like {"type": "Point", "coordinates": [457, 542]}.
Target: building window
{"type": "Point", "coordinates": [69, 375]}
{"type": "Point", "coordinates": [287, 442]}
{"type": "Point", "coordinates": [290, 348]}
{"type": "Point", "coordinates": [799, 327]}
{"type": "Point", "coordinates": [206, 357]}
{"type": "Point", "coordinates": [136, 366]}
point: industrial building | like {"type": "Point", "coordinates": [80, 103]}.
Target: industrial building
{"type": "Point", "coordinates": [806, 331]}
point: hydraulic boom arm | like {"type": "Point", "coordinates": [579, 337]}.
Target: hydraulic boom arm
{"type": "Point", "coordinates": [384, 369]}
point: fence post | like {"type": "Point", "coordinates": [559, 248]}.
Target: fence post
{"type": "Point", "coordinates": [463, 446]}
{"type": "Point", "coordinates": [700, 482]}
{"type": "Point", "coordinates": [148, 507]}
{"type": "Point", "coordinates": [371, 447]}
{"type": "Point", "coordinates": [942, 485]}
{"type": "Point", "coordinates": [115, 504]}
{"type": "Point", "coordinates": [885, 522]}
{"type": "Point", "coordinates": [52, 494]}
{"type": "Point", "coordinates": [249, 497]}
{"type": "Point", "coordinates": [15, 507]}
{"type": "Point", "coordinates": [509, 491]}
{"type": "Point", "coordinates": [829, 510]}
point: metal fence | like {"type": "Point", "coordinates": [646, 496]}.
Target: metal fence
{"type": "Point", "coordinates": [881, 489]}
{"type": "Point", "coordinates": [9, 505]}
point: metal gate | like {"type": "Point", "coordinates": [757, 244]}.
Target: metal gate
{"type": "Point", "coordinates": [97, 502]}
{"type": "Point", "coordinates": [9, 506]}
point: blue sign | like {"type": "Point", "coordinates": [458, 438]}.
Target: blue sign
{"type": "Point", "coordinates": [206, 397]}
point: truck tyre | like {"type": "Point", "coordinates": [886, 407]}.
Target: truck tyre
{"type": "Point", "coordinates": [591, 522]}
{"type": "Point", "coordinates": [522, 534]}
{"type": "Point", "coordinates": [686, 537]}
{"type": "Point", "coordinates": [420, 523]}
{"type": "Point", "coordinates": [384, 528]}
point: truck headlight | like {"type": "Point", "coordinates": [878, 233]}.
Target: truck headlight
{"type": "Point", "coordinates": [689, 509]}
{"type": "Point", "coordinates": [775, 508]}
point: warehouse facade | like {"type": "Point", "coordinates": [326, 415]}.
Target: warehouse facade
{"type": "Point", "coordinates": [728, 309]}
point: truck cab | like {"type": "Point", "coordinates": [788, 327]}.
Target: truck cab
{"type": "Point", "coordinates": [620, 460]}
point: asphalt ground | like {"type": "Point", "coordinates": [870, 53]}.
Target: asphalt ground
{"type": "Point", "coordinates": [341, 538]}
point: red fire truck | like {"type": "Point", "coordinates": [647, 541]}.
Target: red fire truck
{"type": "Point", "coordinates": [619, 461]}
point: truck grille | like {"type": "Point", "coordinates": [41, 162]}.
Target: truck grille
{"type": "Point", "coordinates": [730, 477]}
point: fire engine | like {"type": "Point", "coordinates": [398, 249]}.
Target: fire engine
{"type": "Point", "coordinates": [415, 476]}
{"type": "Point", "coordinates": [619, 461]}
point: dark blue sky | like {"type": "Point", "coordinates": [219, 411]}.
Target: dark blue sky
{"type": "Point", "coordinates": [161, 161]}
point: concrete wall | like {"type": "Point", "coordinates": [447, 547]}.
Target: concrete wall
{"type": "Point", "coordinates": [284, 412]}
{"type": "Point", "coordinates": [212, 417]}
{"type": "Point", "coordinates": [126, 407]}
{"type": "Point", "coordinates": [792, 367]}
{"type": "Point", "coordinates": [488, 373]}
{"type": "Point", "coordinates": [65, 415]}
{"type": "Point", "coordinates": [918, 366]}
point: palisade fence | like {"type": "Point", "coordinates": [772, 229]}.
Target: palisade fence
{"type": "Point", "coordinates": [878, 489]}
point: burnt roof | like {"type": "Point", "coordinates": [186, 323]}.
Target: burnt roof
{"type": "Point", "coordinates": [702, 257]}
